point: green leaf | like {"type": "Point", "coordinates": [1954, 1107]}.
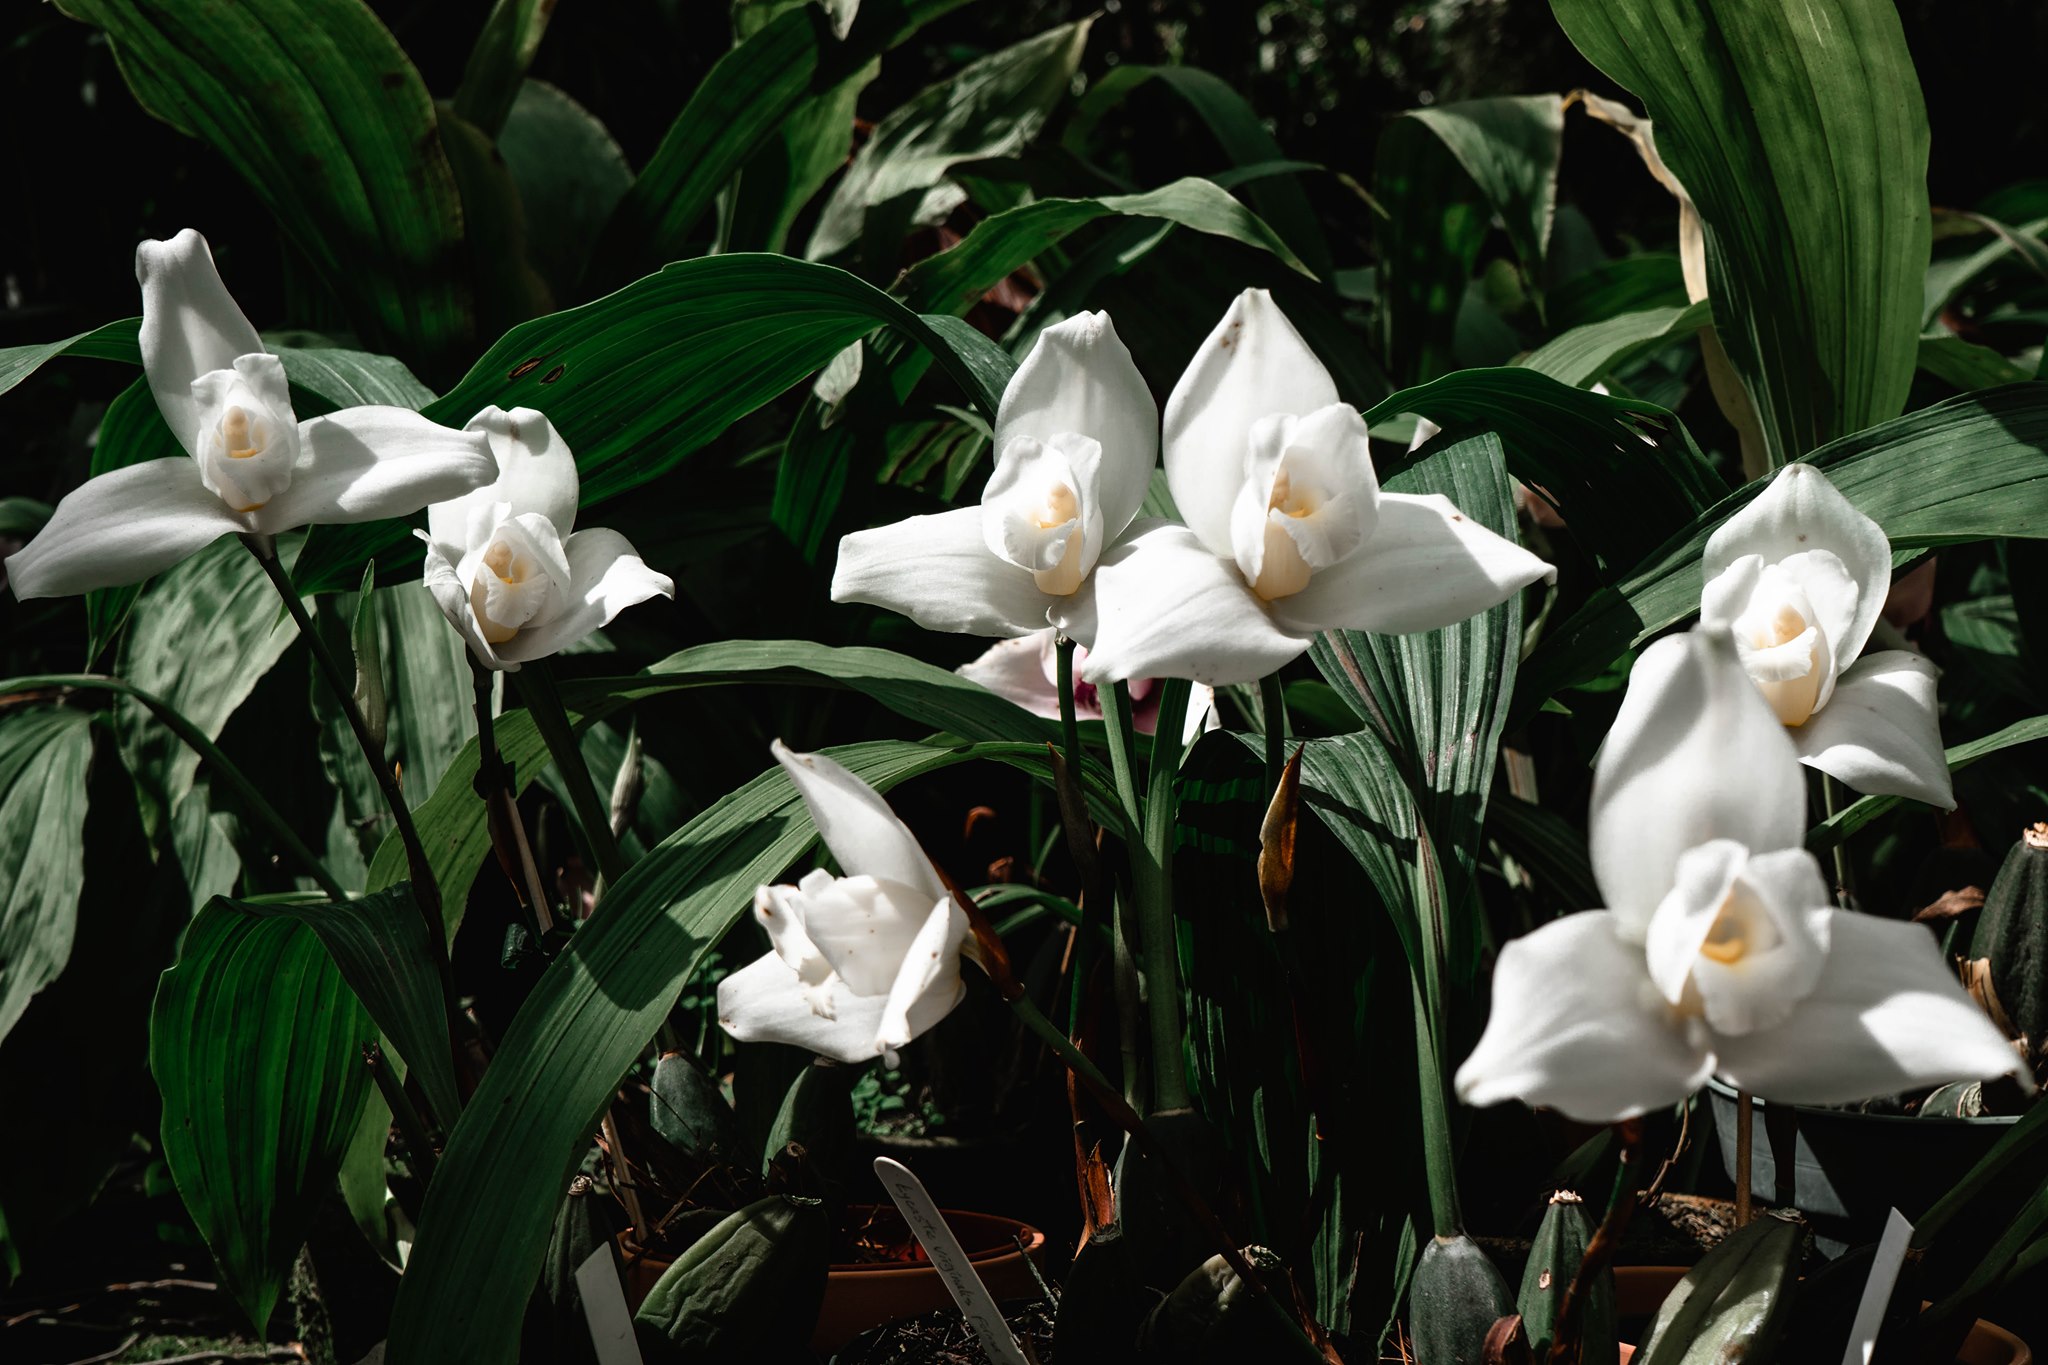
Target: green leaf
{"type": "Point", "coordinates": [644, 377]}
{"type": "Point", "coordinates": [570, 174]}
{"type": "Point", "coordinates": [1586, 353]}
{"type": "Point", "coordinates": [1624, 474]}
{"type": "Point", "coordinates": [255, 1042]}
{"type": "Point", "coordinates": [115, 341]}
{"type": "Point", "coordinates": [992, 107]}
{"type": "Point", "coordinates": [200, 640]}
{"type": "Point", "coordinates": [317, 108]}
{"type": "Point", "coordinates": [1966, 365]}
{"type": "Point", "coordinates": [1861, 812]}
{"type": "Point", "coordinates": [1650, 279]}
{"type": "Point", "coordinates": [484, 1227]}
{"type": "Point", "coordinates": [1799, 132]}
{"type": "Point", "coordinates": [1547, 847]}
{"type": "Point", "coordinates": [955, 279]}
{"type": "Point", "coordinates": [380, 945]}
{"type": "Point", "coordinates": [1967, 469]}
{"type": "Point", "coordinates": [497, 63]}
{"type": "Point", "coordinates": [1509, 147]}
{"type": "Point", "coordinates": [44, 755]}
{"type": "Point", "coordinates": [740, 105]}
{"type": "Point", "coordinates": [1948, 277]}
{"type": "Point", "coordinates": [1428, 246]}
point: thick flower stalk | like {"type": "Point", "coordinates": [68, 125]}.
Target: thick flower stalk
{"type": "Point", "coordinates": [1076, 439]}
{"type": "Point", "coordinates": [1801, 576]}
{"type": "Point", "coordinates": [1026, 671]}
{"type": "Point", "coordinates": [505, 562]}
{"type": "Point", "coordinates": [1718, 952]}
{"type": "Point", "coordinates": [1287, 532]}
{"type": "Point", "coordinates": [860, 964]}
{"type": "Point", "coordinates": [251, 466]}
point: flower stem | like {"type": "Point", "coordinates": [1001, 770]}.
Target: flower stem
{"type": "Point", "coordinates": [544, 703]}
{"type": "Point", "coordinates": [1745, 1120]}
{"type": "Point", "coordinates": [1273, 716]}
{"type": "Point", "coordinates": [1070, 740]}
{"type": "Point", "coordinates": [426, 892]}
{"type": "Point", "coordinates": [410, 1126]}
{"type": "Point", "coordinates": [1845, 877]}
{"type": "Point", "coordinates": [1151, 858]}
{"type": "Point", "coordinates": [494, 783]}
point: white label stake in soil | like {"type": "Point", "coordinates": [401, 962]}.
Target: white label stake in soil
{"type": "Point", "coordinates": [1877, 1290]}
{"type": "Point", "coordinates": [977, 1305]}
{"type": "Point", "coordinates": [604, 1308]}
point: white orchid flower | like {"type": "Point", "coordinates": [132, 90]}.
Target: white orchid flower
{"type": "Point", "coordinates": [1026, 671]}
{"type": "Point", "coordinates": [1076, 439]}
{"type": "Point", "coordinates": [1802, 576]}
{"type": "Point", "coordinates": [505, 563]}
{"type": "Point", "coordinates": [1287, 533]}
{"type": "Point", "coordinates": [1718, 952]}
{"type": "Point", "coordinates": [254, 467]}
{"type": "Point", "coordinates": [863, 963]}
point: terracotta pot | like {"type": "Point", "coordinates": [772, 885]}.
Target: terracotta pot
{"type": "Point", "coordinates": [1639, 1289]}
{"type": "Point", "coordinates": [870, 1293]}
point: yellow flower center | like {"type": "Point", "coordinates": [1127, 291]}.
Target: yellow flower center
{"type": "Point", "coordinates": [1793, 699]}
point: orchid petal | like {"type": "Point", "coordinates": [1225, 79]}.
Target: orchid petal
{"type": "Point", "coordinates": [860, 927]}
{"type": "Point", "coordinates": [1880, 733]}
{"type": "Point", "coordinates": [1785, 901]}
{"type": "Point", "coordinates": [1703, 878]}
{"type": "Point", "coordinates": [1694, 754]}
{"type": "Point", "coordinates": [1427, 565]}
{"type": "Point", "coordinates": [605, 577]}
{"type": "Point", "coordinates": [1165, 607]}
{"type": "Point", "coordinates": [369, 463]}
{"type": "Point", "coordinates": [937, 571]}
{"type": "Point", "coordinates": [451, 595]}
{"type": "Point", "coordinates": [1886, 1015]}
{"type": "Point", "coordinates": [1015, 671]}
{"type": "Point", "coordinates": [1255, 364]}
{"type": "Point", "coordinates": [121, 527]}
{"type": "Point", "coordinates": [1576, 1026]}
{"type": "Point", "coordinates": [190, 327]}
{"type": "Point", "coordinates": [783, 911]}
{"type": "Point", "coordinates": [927, 984]}
{"type": "Point", "coordinates": [857, 824]}
{"type": "Point", "coordinates": [1803, 511]}
{"type": "Point", "coordinates": [535, 472]}
{"type": "Point", "coordinates": [766, 1002]}
{"type": "Point", "coordinates": [1080, 379]}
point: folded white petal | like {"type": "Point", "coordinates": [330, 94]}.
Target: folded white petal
{"type": "Point", "coordinates": [1802, 511]}
{"type": "Point", "coordinates": [1576, 1026]}
{"type": "Point", "coordinates": [121, 527]}
{"type": "Point", "coordinates": [766, 1002]}
{"type": "Point", "coordinates": [1079, 378]}
{"type": "Point", "coordinates": [1253, 365]}
{"type": "Point", "coordinates": [1885, 1016]}
{"type": "Point", "coordinates": [937, 570]}
{"type": "Point", "coordinates": [1694, 754]}
{"type": "Point", "coordinates": [1015, 671]}
{"type": "Point", "coordinates": [1040, 510]}
{"type": "Point", "coordinates": [1165, 607]}
{"type": "Point", "coordinates": [451, 595]}
{"type": "Point", "coordinates": [1880, 733]}
{"type": "Point", "coordinates": [857, 824]}
{"type": "Point", "coordinates": [1727, 593]}
{"type": "Point", "coordinates": [860, 926]}
{"type": "Point", "coordinates": [535, 473]}
{"type": "Point", "coordinates": [190, 326]}
{"type": "Point", "coordinates": [1309, 499]}
{"type": "Point", "coordinates": [1767, 947]}
{"type": "Point", "coordinates": [1834, 595]}
{"type": "Point", "coordinates": [927, 984]}
{"type": "Point", "coordinates": [1426, 565]}
{"type": "Point", "coordinates": [369, 463]}
{"type": "Point", "coordinates": [784, 911]}
{"type": "Point", "coordinates": [605, 577]}
{"type": "Point", "coordinates": [1704, 876]}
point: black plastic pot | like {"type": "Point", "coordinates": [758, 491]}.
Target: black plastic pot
{"type": "Point", "coordinates": [1847, 1170]}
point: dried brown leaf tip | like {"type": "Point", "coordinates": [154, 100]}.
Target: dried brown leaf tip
{"type": "Point", "coordinates": [1276, 844]}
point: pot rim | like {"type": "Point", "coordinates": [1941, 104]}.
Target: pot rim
{"type": "Point", "coordinates": [1034, 1242]}
{"type": "Point", "coordinates": [1726, 1091]}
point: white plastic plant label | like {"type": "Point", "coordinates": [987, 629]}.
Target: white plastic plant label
{"type": "Point", "coordinates": [977, 1305]}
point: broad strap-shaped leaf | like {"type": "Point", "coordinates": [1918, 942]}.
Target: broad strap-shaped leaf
{"type": "Point", "coordinates": [642, 378]}
{"type": "Point", "coordinates": [45, 752]}
{"type": "Point", "coordinates": [318, 109]}
{"type": "Point", "coordinates": [497, 64]}
{"type": "Point", "coordinates": [1799, 133]}
{"type": "Point", "coordinates": [484, 1227]}
{"type": "Point", "coordinates": [1970, 468]}
{"type": "Point", "coordinates": [256, 1045]}
{"type": "Point", "coordinates": [1624, 474]}
{"type": "Point", "coordinates": [380, 946]}
{"type": "Point", "coordinates": [570, 174]}
{"type": "Point", "coordinates": [114, 341]}
{"type": "Point", "coordinates": [200, 640]}
{"type": "Point", "coordinates": [733, 113]}
{"type": "Point", "coordinates": [989, 108]}
{"type": "Point", "coordinates": [1510, 146]}
{"type": "Point", "coordinates": [1586, 353]}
